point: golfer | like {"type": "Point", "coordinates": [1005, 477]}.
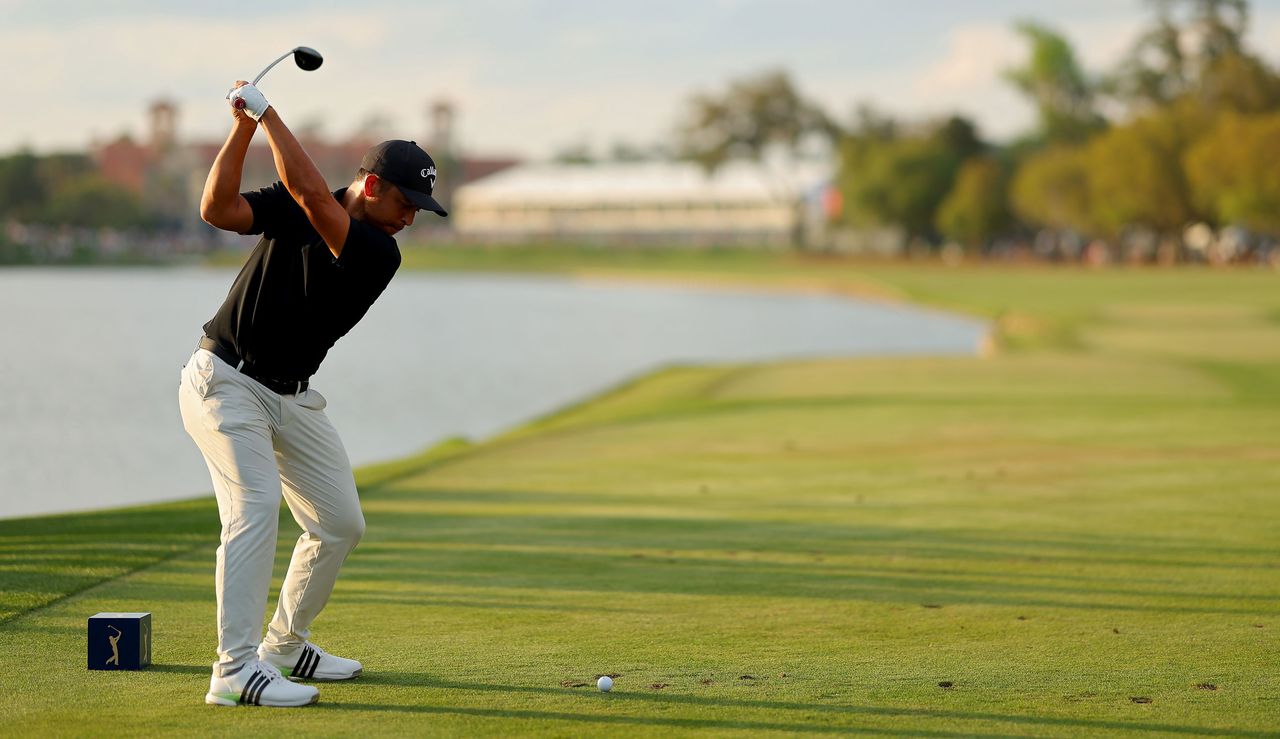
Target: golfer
{"type": "Point", "coordinates": [246, 400]}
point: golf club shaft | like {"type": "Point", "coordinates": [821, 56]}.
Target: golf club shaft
{"type": "Point", "coordinates": [269, 66]}
{"type": "Point", "coordinates": [306, 57]}
{"type": "Point", "coordinates": [239, 104]}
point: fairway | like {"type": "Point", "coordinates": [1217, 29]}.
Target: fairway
{"type": "Point", "coordinates": [1077, 535]}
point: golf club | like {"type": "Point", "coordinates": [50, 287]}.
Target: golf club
{"type": "Point", "coordinates": [307, 58]}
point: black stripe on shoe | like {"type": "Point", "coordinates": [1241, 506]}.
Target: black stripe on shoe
{"type": "Point", "coordinates": [246, 696]}
{"type": "Point", "coordinates": [262, 685]}
{"type": "Point", "coordinates": [299, 669]}
{"type": "Point", "coordinates": [311, 660]}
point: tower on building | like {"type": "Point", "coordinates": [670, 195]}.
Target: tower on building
{"type": "Point", "coordinates": [164, 126]}
{"type": "Point", "coordinates": [440, 142]}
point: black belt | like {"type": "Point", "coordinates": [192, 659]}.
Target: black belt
{"type": "Point", "coordinates": [282, 387]}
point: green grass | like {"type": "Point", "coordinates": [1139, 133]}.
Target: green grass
{"type": "Point", "coordinates": [1087, 518]}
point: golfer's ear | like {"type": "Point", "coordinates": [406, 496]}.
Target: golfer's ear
{"type": "Point", "coordinates": [371, 185]}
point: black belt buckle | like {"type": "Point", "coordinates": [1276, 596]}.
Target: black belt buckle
{"type": "Point", "coordinates": [279, 387]}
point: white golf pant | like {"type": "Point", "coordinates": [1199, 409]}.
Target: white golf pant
{"type": "Point", "coordinates": [258, 445]}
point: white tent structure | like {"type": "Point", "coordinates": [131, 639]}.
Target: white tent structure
{"type": "Point", "coordinates": [644, 202]}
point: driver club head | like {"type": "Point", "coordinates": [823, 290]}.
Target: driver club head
{"type": "Point", "coordinates": [307, 58]}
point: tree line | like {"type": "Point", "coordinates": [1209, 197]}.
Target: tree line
{"type": "Point", "coordinates": [66, 189]}
{"type": "Point", "coordinates": [1186, 129]}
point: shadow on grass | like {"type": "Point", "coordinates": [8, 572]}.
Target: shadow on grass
{"type": "Point", "coordinates": [430, 600]}
{"type": "Point", "coordinates": [47, 559]}
{"type": "Point", "coordinates": [204, 670]}
{"type": "Point", "coordinates": [408, 679]}
{"type": "Point", "coordinates": [717, 556]}
{"type": "Point", "coordinates": [688, 724]}
{"type": "Point", "coordinates": [556, 517]}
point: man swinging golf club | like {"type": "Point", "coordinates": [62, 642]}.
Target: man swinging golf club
{"type": "Point", "coordinates": [323, 259]}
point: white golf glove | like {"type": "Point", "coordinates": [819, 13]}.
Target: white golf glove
{"type": "Point", "coordinates": [249, 100]}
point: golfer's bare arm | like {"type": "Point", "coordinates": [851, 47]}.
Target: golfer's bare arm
{"type": "Point", "coordinates": [221, 205]}
{"type": "Point", "coordinates": [305, 183]}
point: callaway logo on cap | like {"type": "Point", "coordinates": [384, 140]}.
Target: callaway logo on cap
{"type": "Point", "coordinates": [405, 165]}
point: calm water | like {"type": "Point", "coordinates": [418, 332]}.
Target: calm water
{"type": "Point", "coordinates": [89, 363]}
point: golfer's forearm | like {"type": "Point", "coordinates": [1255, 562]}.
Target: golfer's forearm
{"type": "Point", "coordinates": [299, 174]}
{"type": "Point", "coordinates": [222, 188]}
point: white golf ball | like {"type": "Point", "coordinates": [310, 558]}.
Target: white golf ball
{"type": "Point", "coordinates": [605, 683]}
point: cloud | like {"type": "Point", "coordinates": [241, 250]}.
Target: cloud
{"type": "Point", "coordinates": [1101, 45]}
{"type": "Point", "coordinates": [99, 77]}
{"type": "Point", "coordinates": [110, 69]}
{"type": "Point", "coordinates": [967, 76]}
{"type": "Point", "coordinates": [976, 56]}
{"type": "Point", "coordinates": [1264, 33]}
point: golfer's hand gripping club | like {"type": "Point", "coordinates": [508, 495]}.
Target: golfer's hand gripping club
{"type": "Point", "coordinates": [245, 96]}
{"type": "Point", "coordinates": [248, 99]}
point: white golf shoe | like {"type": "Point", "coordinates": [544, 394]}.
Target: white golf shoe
{"type": "Point", "coordinates": [309, 662]}
{"type": "Point", "coordinates": [259, 684]}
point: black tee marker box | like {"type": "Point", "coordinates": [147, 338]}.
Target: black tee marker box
{"type": "Point", "coordinates": [119, 641]}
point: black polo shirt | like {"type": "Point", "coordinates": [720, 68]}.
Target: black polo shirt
{"type": "Point", "coordinates": [293, 299]}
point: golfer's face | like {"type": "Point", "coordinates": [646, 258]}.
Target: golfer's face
{"type": "Point", "coordinates": [391, 211]}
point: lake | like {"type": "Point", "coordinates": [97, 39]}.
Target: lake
{"type": "Point", "coordinates": [90, 360]}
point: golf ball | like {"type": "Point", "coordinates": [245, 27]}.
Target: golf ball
{"type": "Point", "coordinates": [605, 683]}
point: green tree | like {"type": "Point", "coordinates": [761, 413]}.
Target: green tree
{"type": "Point", "coordinates": [1054, 81]}
{"type": "Point", "coordinates": [1232, 171]}
{"type": "Point", "coordinates": [22, 191]}
{"type": "Point", "coordinates": [1136, 175]}
{"type": "Point", "coordinates": [752, 115]}
{"type": "Point", "coordinates": [92, 201]}
{"type": "Point", "coordinates": [28, 181]}
{"type": "Point", "coordinates": [57, 169]}
{"type": "Point", "coordinates": [1051, 188]}
{"type": "Point", "coordinates": [1174, 57]}
{"type": "Point", "coordinates": [870, 132]}
{"type": "Point", "coordinates": [1240, 82]}
{"type": "Point", "coordinates": [977, 207]}
{"type": "Point", "coordinates": [1221, 26]}
{"type": "Point", "coordinates": [901, 180]}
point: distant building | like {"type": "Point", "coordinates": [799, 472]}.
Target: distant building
{"type": "Point", "coordinates": [124, 162]}
{"type": "Point", "coordinates": [129, 163]}
{"type": "Point", "coordinates": [647, 202]}
{"type": "Point", "coordinates": [169, 174]}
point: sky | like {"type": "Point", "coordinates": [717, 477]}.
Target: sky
{"type": "Point", "coordinates": [529, 77]}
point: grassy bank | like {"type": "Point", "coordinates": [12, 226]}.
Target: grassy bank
{"type": "Point", "coordinates": [1075, 536]}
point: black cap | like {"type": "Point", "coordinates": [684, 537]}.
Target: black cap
{"type": "Point", "coordinates": [405, 165]}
